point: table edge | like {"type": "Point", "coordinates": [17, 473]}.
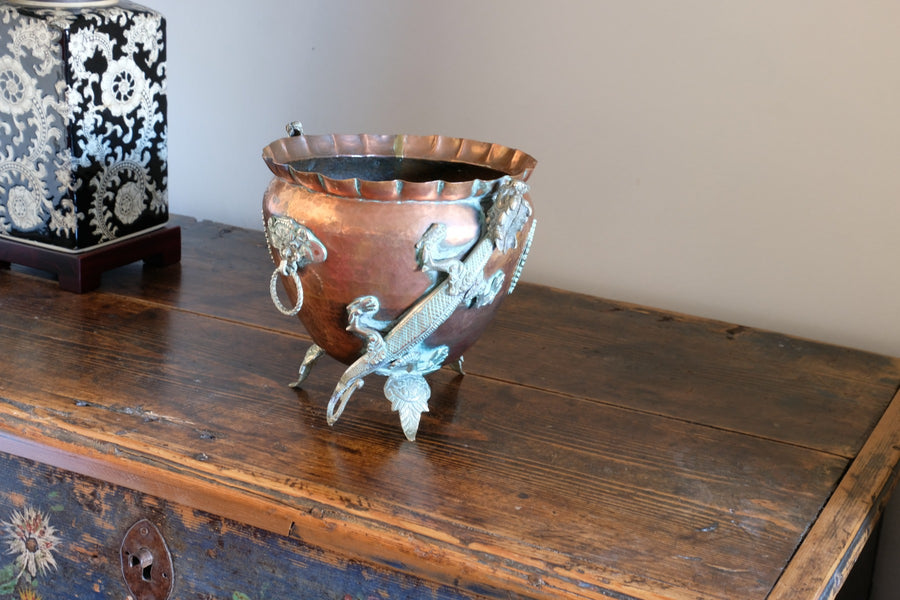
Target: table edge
{"type": "Point", "coordinates": [829, 550]}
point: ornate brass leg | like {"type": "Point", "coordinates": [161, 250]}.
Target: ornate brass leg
{"type": "Point", "coordinates": [313, 354]}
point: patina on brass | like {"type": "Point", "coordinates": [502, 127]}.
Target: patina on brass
{"type": "Point", "coordinates": [394, 250]}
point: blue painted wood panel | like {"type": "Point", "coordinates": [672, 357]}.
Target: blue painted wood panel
{"type": "Point", "coordinates": [60, 538]}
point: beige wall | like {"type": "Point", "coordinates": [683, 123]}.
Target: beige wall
{"type": "Point", "coordinates": [736, 160]}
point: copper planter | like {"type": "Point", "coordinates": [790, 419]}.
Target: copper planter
{"type": "Point", "coordinates": [395, 251]}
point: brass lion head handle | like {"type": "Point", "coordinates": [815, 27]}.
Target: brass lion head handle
{"type": "Point", "coordinates": [295, 247]}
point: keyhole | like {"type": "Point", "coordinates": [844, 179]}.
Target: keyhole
{"type": "Point", "coordinates": [144, 560]}
{"type": "Point", "coordinates": [146, 563]}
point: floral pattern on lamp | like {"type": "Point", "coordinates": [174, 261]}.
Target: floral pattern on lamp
{"type": "Point", "coordinates": [83, 149]}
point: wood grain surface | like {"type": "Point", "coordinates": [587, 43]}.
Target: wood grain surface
{"type": "Point", "coordinates": [594, 449]}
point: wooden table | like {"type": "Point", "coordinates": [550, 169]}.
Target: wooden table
{"type": "Point", "coordinates": [594, 449]}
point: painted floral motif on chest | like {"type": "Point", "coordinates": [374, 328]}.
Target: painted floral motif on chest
{"type": "Point", "coordinates": [32, 541]}
{"type": "Point", "coordinates": [83, 156]}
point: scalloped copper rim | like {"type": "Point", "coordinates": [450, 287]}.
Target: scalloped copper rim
{"type": "Point", "coordinates": [280, 154]}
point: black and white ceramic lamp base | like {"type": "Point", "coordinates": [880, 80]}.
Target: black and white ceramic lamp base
{"type": "Point", "coordinates": [83, 149]}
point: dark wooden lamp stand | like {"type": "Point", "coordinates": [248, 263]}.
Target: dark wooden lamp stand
{"type": "Point", "coordinates": [80, 272]}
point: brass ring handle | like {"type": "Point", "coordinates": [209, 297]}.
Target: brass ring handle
{"type": "Point", "coordinates": [294, 247]}
{"type": "Point", "coordinates": [273, 291]}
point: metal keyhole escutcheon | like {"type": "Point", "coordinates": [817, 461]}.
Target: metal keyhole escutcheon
{"type": "Point", "coordinates": [146, 562]}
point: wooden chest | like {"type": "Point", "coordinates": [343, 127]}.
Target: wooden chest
{"type": "Point", "coordinates": [593, 450]}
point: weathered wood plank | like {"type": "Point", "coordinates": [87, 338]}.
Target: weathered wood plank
{"type": "Point", "coordinates": [224, 272]}
{"type": "Point", "coordinates": [745, 380]}
{"type": "Point", "coordinates": [526, 489]}
{"type": "Point", "coordinates": [675, 365]}
{"type": "Point", "coordinates": [596, 449]}
{"type": "Point", "coordinates": [832, 546]}
{"type": "Point", "coordinates": [89, 518]}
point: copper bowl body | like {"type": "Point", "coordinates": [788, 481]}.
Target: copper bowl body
{"type": "Point", "coordinates": [369, 199]}
{"type": "Point", "coordinates": [395, 251]}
